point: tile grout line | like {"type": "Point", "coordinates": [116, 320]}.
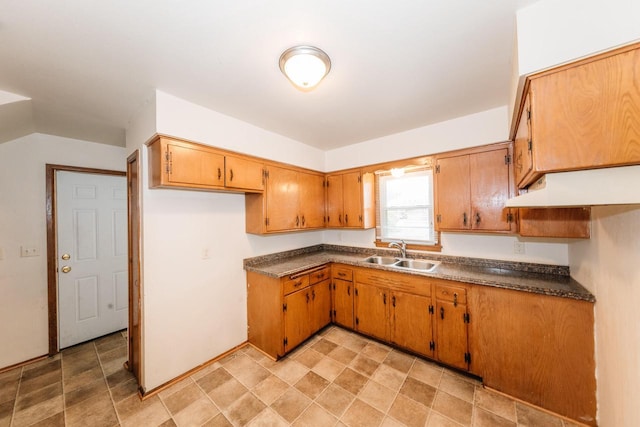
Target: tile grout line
{"type": "Point", "coordinates": [208, 397]}
{"type": "Point", "coordinates": [104, 378]}
{"type": "Point", "coordinates": [15, 401]}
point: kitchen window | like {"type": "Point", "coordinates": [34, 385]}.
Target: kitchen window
{"type": "Point", "coordinates": [405, 211]}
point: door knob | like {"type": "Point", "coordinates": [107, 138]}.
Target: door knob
{"type": "Point", "coordinates": [66, 269]}
{"type": "Point", "coordinates": [66, 256]}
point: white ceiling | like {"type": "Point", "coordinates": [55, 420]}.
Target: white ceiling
{"type": "Point", "coordinates": [89, 66]}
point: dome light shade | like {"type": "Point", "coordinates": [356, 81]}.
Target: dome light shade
{"type": "Point", "coordinates": [304, 66]}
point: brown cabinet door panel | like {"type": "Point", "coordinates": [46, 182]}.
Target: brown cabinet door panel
{"type": "Point", "coordinates": [411, 322]}
{"type": "Point", "coordinates": [451, 334]}
{"type": "Point", "coordinates": [282, 199]}
{"type": "Point", "coordinates": [320, 315]}
{"type": "Point", "coordinates": [334, 201]}
{"type": "Point", "coordinates": [453, 193]}
{"type": "Point", "coordinates": [372, 311]}
{"type": "Point", "coordinates": [343, 302]}
{"type": "Point", "coordinates": [311, 195]}
{"type": "Point", "coordinates": [489, 179]}
{"type": "Point", "coordinates": [243, 173]}
{"type": "Point", "coordinates": [522, 155]}
{"type": "Point", "coordinates": [352, 200]}
{"type": "Point", "coordinates": [195, 165]}
{"type": "Point", "coordinates": [296, 318]}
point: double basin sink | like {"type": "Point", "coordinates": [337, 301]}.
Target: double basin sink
{"type": "Point", "coordinates": [403, 263]}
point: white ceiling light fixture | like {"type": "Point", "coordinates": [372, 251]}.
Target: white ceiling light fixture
{"type": "Point", "coordinates": [305, 66]}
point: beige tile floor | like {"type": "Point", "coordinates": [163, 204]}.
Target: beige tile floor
{"type": "Point", "coordinates": [337, 378]}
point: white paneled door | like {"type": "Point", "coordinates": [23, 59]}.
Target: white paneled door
{"type": "Point", "coordinates": [91, 220]}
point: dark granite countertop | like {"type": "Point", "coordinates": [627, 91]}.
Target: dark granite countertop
{"type": "Point", "coordinates": [528, 277]}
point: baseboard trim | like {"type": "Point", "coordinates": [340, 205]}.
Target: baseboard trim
{"type": "Point", "coordinates": [20, 364]}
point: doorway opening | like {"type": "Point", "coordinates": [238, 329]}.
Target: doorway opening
{"type": "Point", "coordinates": [86, 285]}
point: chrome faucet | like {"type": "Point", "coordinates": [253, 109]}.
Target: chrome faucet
{"type": "Point", "coordinates": [402, 246]}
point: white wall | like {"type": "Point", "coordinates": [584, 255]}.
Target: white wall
{"type": "Point", "coordinates": [551, 32]}
{"type": "Point", "coordinates": [194, 308]}
{"type": "Point", "coordinates": [476, 129]}
{"type": "Point", "coordinates": [607, 265]}
{"type": "Point", "coordinates": [23, 281]}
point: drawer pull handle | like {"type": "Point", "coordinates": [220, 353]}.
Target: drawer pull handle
{"type": "Point", "coordinates": [349, 290]}
{"type": "Point", "coordinates": [298, 283]}
{"type": "Point", "coordinates": [384, 298]}
{"type": "Point", "coordinates": [341, 274]}
{"type": "Point", "coordinates": [442, 312]}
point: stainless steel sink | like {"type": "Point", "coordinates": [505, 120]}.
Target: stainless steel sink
{"type": "Point", "coordinates": [403, 263]}
{"type": "Point", "coordinates": [381, 260]}
{"type": "Point", "coordinates": [416, 264]}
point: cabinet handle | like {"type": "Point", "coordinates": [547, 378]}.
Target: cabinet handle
{"type": "Point", "coordinates": [340, 219]}
{"type": "Point", "coordinates": [303, 220]}
{"type": "Point", "coordinates": [307, 295]}
{"type": "Point", "coordinates": [313, 294]}
{"type": "Point", "coordinates": [384, 298]}
{"type": "Point", "coordinates": [341, 274]}
{"type": "Point", "coordinates": [230, 174]}
{"type": "Point", "coordinates": [464, 219]}
{"type": "Point", "coordinates": [298, 283]}
{"type": "Point", "coordinates": [297, 221]}
{"type": "Point", "coordinates": [349, 290]}
{"type": "Point", "coordinates": [442, 312]}
{"type": "Point", "coordinates": [346, 219]}
{"type": "Point", "coordinates": [219, 174]}
{"type": "Point", "coordinates": [393, 301]}
{"type": "Point", "coordinates": [477, 218]}
{"type": "Point", "coordinates": [455, 299]}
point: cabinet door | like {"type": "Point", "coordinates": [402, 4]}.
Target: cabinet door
{"type": "Point", "coordinates": [243, 173]}
{"type": "Point", "coordinates": [334, 201]}
{"type": "Point", "coordinates": [555, 222]}
{"type": "Point", "coordinates": [343, 302]}
{"type": "Point", "coordinates": [195, 166]}
{"type": "Point", "coordinates": [489, 178]}
{"type": "Point", "coordinates": [411, 322]}
{"type": "Point", "coordinates": [320, 313]}
{"type": "Point", "coordinates": [452, 178]}
{"type": "Point", "coordinates": [452, 342]}
{"type": "Point", "coordinates": [311, 197]}
{"type": "Point", "coordinates": [352, 199]}
{"type": "Point", "coordinates": [282, 199]}
{"type": "Point", "coordinates": [296, 318]}
{"type": "Point", "coordinates": [372, 312]}
{"type": "Point", "coordinates": [523, 158]}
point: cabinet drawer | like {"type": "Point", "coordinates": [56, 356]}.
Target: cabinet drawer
{"type": "Point", "coordinates": [292, 285]}
{"type": "Point", "coordinates": [394, 281]}
{"type": "Point", "coordinates": [451, 293]}
{"type": "Point", "coordinates": [319, 275]}
{"type": "Point", "coordinates": [343, 273]}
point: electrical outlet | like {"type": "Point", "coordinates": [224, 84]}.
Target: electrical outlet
{"type": "Point", "coordinates": [28, 251]}
{"type": "Point", "coordinates": [518, 247]}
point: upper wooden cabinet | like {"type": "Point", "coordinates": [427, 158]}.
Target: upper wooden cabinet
{"type": "Point", "coordinates": [181, 164]}
{"type": "Point", "coordinates": [472, 187]}
{"type": "Point", "coordinates": [292, 200]}
{"type": "Point", "coordinates": [580, 116]}
{"type": "Point", "coordinates": [350, 200]}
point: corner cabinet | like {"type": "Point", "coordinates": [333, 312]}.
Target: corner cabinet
{"type": "Point", "coordinates": [472, 187]}
{"type": "Point", "coordinates": [176, 163]}
{"type": "Point", "coordinates": [291, 201]}
{"type": "Point", "coordinates": [350, 200]}
{"type": "Point", "coordinates": [283, 312]}
{"type": "Point", "coordinates": [582, 115]}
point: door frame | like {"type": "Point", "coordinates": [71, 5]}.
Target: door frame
{"type": "Point", "coordinates": [52, 240]}
{"type": "Point", "coordinates": [134, 234]}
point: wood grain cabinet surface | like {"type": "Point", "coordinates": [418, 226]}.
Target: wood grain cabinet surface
{"type": "Point", "coordinates": [342, 292]}
{"type": "Point", "coordinates": [472, 187]}
{"type": "Point", "coordinates": [582, 115]}
{"type": "Point", "coordinates": [282, 313]}
{"type": "Point", "coordinates": [292, 200]}
{"type": "Point", "coordinates": [176, 163]}
{"type": "Point", "coordinates": [350, 200]}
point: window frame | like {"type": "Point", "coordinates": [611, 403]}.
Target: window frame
{"type": "Point", "coordinates": [437, 247]}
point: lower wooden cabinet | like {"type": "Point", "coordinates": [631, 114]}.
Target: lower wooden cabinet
{"type": "Point", "coordinates": [282, 313]}
{"type": "Point", "coordinates": [537, 348]}
{"type": "Point", "coordinates": [451, 326]}
{"type": "Point", "coordinates": [342, 293]}
{"type": "Point", "coordinates": [411, 318]}
{"type": "Point", "coordinates": [372, 311]}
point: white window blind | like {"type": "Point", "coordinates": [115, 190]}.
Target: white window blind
{"type": "Point", "coordinates": [405, 207]}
